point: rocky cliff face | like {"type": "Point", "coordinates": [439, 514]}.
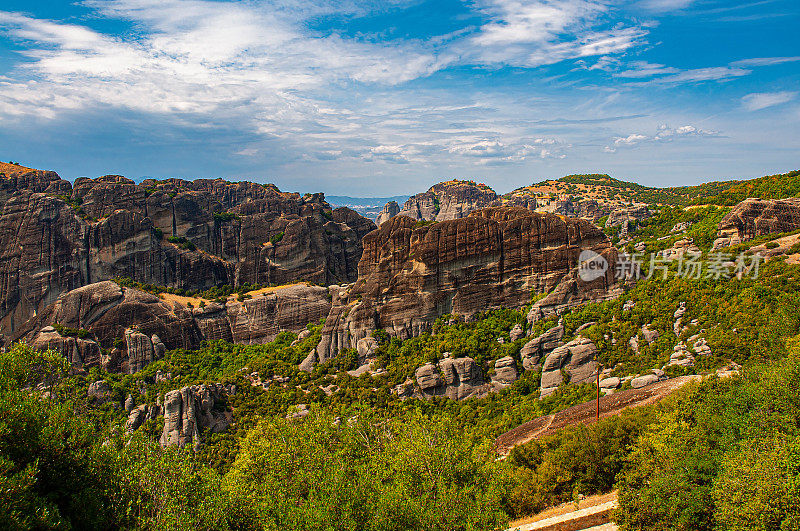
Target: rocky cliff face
{"type": "Point", "coordinates": [56, 237]}
{"type": "Point", "coordinates": [756, 217]}
{"type": "Point", "coordinates": [191, 411]}
{"type": "Point", "coordinates": [390, 210]}
{"type": "Point", "coordinates": [448, 200]}
{"type": "Point", "coordinates": [496, 257]}
{"type": "Point", "coordinates": [124, 329]}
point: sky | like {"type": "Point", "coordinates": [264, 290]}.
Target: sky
{"type": "Point", "coordinates": [379, 98]}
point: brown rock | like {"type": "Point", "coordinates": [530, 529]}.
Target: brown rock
{"type": "Point", "coordinates": [495, 257]}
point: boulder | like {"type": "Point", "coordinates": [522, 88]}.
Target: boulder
{"type": "Point", "coordinates": [539, 347]}
{"type": "Point", "coordinates": [517, 332]}
{"type": "Point", "coordinates": [576, 358]}
{"type": "Point", "coordinates": [100, 391]}
{"type": "Point", "coordinates": [644, 380]}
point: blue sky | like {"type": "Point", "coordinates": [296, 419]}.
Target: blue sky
{"type": "Point", "coordinates": [376, 98]}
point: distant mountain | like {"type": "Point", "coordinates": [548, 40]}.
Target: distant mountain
{"type": "Point", "coordinates": [369, 207]}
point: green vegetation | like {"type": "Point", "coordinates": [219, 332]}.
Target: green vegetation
{"type": "Point", "coordinates": [71, 332]}
{"type": "Point", "coordinates": [182, 242]}
{"type": "Point", "coordinates": [769, 187]}
{"type": "Point", "coordinates": [725, 457]}
{"type": "Point", "coordinates": [223, 217]}
{"type": "Point", "coordinates": [276, 238]}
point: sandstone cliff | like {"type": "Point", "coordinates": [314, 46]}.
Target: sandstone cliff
{"type": "Point", "coordinates": [496, 257]}
{"type": "Point", "coordinates": [756, 217]}
{"type": "Point", "coordinates": [448, 200]}
{"type": "Point", "coordinates": [123, 329]}
{"type": "Point", "coordinates": [56, 237]}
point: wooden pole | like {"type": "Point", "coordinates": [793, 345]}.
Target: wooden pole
{"type": "Point", "coordinates": [598, 392]}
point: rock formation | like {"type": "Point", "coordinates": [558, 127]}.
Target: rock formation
{"type": "Point", "coordinates": [576, 359]}
{"type": "Point", "coordinates": [56, 237]}
{"type": "Point", "coordinates": [191, 411]}
{"type": "Point", "coordinates": [390, 210]}
{"type": "Point", "coordinates": [756, 217]}
{"type": "Point", "coordinates": [537, 349]}
{"type": "Point", "coordinates": [448, 200]}
{"type": "Point", "coordinates": [496, 257]}
{"type": "Point", "coordinates": [124, 328]}
{"type": "Point", "coordinates": [457, 379]}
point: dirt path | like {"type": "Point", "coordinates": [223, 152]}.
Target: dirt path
{"type": "Point", "coordinates": [610, 405]}
{"type": "Point", "coordinates": [593, 512]}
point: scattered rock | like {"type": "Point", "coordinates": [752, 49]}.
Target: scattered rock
{"type": "Point", "coordinates": [645, 380]}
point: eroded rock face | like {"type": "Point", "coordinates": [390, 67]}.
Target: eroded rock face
{"type": "Point", "coordinates": [535, 350]}
{"type": "Point", "coordinates": [495, 257]}
{"type": "Point", "coordinates": [56, 237]}
{"type": "Point", "coordinates": [136, 328]}
{"type": "Point", "coordinates": [576, 358]}
{"type": "Point", "coordinates": [457, 379]}
{"type": "Point", "coordinates": [756, 217]}
{"type": "Point", "coordinates": [390, 210]}
{"type": "Point", "coordinates": [191, 411]}
{"type": "Point", "coordinates": [505, 372]}
{"type": "Point", "coordinates": [448, 200]}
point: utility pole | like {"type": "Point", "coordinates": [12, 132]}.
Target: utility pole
{"type": "Point", "coordinates": [598, 391]}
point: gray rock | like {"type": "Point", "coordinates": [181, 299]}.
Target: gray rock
{"type": "Point", "coordinates": [645, 380]}
{"type": "Point", "coordinates": [516, 332]}
{"type": "Point", "coordinates": [129, 403]}
{"type": "Point", "coordinates": [576, 358]}
{"type": "Point", "coordinates": [366, 348]}
{"type": "Point", "coordinates": [193, 410]}
{"type": "Point", "coordinates": [610, 383]}
{"type": "Point", "coordinates": [505, 372]}
{"type": "Point", "coordinates": [100, 391]}
{"type": "Point", "coordinates": [307, 365]}
{"type": "Point", "coordinates": [428, 377]}
{"type": "Point", "coordinates": [536, 349]}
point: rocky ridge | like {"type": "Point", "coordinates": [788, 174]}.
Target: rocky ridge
{"type": "Point", "coordinates": [56, 236]}
{"type": "Point", "coordinates": [409, 275]}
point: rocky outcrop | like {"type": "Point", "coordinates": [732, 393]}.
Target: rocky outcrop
{"type": "Point", "coordinates": [620, 217]}
{"type": "Point", "coordinates": [756, 217]}
{"type": "Point", "coordinates": [448, 200]}
{"type": "Point", "coordinates": [537, 349]}
{"type": "Point", "coordinates": [192, 411]}
{"type": "Point", "coordinates": [124, 328]}
{"type": "Point", "coordinates": [261, 319]}
{"type": "Point", "coordinates": [576, 359]}
{"type": "Point", "coordinates": [390, 210]}
{"type": "Point", "coordinates": [139, 415]}
{"type": "Point", "coordinates": [457, 379]}
{"type": "Point", "coordinates": [410, 275]}
{"type": "Point", "coordinates": [505, 372]}
{"type": "Point", "coordinates": [56, 237]}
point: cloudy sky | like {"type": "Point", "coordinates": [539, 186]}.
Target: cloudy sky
{"type": "Point", "coordinates": [376, 98]}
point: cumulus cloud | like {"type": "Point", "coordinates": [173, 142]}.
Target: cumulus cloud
{"type": "Point", "coordinates": [762, 100]}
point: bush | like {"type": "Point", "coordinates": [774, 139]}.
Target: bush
{"type": "Point", "coordinates": [276, 238]}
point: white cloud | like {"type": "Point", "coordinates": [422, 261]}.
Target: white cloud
{"type": "Point", "coordinates": [762, 100]}
{"type": "Point", "coordinates": [664, 133]}
{"type": "Point", "coordinates": [665, 5]}
{"type": "Point", "coordinates": [766, 61]}
{"type": "Point", "coordinates": [535, 33]}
